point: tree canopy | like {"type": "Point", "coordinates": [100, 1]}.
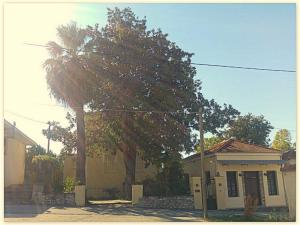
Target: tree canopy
{"type": "Point", "coordinates": [138, 69]}
{"type": "Point", "coordinates": [282, 140]}
{"type": "Point", "coordinates": [141, 87]}
{"type": "Point", "coordinates": [251, 129]}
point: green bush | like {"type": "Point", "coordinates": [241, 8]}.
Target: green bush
{"type": "Point", "coordinates": [69, 185]}
{"type": "Point", "coordinates": [171, 181]}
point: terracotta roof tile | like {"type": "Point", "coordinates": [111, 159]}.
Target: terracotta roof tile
{"type": "Point", "coordinates": [235, 146]}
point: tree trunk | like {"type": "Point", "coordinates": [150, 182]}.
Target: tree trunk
{"type": "Point", "coordinates": [80, 163]}
{"type": "Point", "coordinates": [129, 155]}
{"type": "Point", "coordinates": [129, 162]}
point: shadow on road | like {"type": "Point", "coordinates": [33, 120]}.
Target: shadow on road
{"type": "Point", "coordinates": [18, 211]}
{"type": "Point", "coordinates": [166, 214]}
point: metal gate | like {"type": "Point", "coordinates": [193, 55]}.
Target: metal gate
{"type": "Point", "coordinates": [211, 194]}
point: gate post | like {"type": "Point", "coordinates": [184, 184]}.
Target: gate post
{"type": "Point", "coordinates": [197, 192]}
{"type": "Point", "coordinates": [80, 195]}
{"type": "Point", "coordinates": [220, 192]}
{"type": "Point", "coordinates": [137, 193]}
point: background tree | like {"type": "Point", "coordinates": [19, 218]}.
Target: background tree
{"type": "Point", "coordinates": [210, 142]}
{"type": "Point", "coordinates": [141, 70]}
{"type": "Point", "coordinates": [251, 129]}
{"type": "Point", "coordinates": [65, 135]}
{"type": "Point", "coordinates": [282, 140]}
{"type": "Point", "coordinates": [69, 81]}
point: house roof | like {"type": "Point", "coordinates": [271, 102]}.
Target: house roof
{"type": "Point", "coordinates": [10, 130]}
{"type": "Point", "coordinates": [291, 154]}
{"type": "Point", "coordinates": [234, 146]}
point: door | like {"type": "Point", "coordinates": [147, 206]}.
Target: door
{"type": "Point", "coordinates": [252, 185]}
{"type": "Point", "coordinates": [210, 192]}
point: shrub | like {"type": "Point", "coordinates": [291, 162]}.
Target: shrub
{"type": "Point", "coordinates": [250, 206]}
{"type": "Point", "coordinates": [171, 181]}
{"type": "Point", "coordinates": [69, 185]}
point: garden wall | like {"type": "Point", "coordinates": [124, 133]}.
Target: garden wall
{"type": "Point", "coordinates": [67, 199]}
{"type": "Point", "coordinates": [177, 202]}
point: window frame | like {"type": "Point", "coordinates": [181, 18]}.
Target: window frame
{"type": "Point", "coordinates": [232, 184]}
{"type": "Point", "coordinates": [272, 183]}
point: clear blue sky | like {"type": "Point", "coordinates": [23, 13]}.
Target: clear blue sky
{"type": "Point", "coordinates": [258, 35]}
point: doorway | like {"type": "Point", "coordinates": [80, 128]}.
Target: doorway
{"type": "Point", "coordinates": [252, 188]}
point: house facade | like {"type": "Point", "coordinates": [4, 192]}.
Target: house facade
{"type": "Point", "coordinates": [289, 177]}
{"type": "Point", "coordinates": [234, 170]}
{"type": "Point", "coordinates": [106, 172]}
{"type": "Point", "coordinates": [15, 143]}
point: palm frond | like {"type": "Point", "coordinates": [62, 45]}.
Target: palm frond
{"type": "Point", "coordinates": [72, 36]}
{"type": "Point", "coordinates": [54, 49]}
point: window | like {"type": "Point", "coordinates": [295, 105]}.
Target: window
{"type": "Point", "coordinates": [232, 184]}
{"type": "Point", "coordinates": [272, 182]}
{"type": "Point", "coordinates": [207, 176]}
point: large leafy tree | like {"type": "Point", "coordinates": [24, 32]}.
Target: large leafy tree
{"type": "Point", "coordinates": [251, 129]}
{"type": "Point", "coordinates": [69, 81]}
{"type": "Point", "coordinates": [282, 140]}
{"type": "Point", "coordinates": [147, 83]}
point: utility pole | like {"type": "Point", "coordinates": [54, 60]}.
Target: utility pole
{"type": "Point", "coordinates": [204, 200]}
{"type": "Point", "coordinates": [48, 146]}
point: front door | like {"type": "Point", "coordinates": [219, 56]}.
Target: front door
{"type": "Point", "coordinates": [252, 185]}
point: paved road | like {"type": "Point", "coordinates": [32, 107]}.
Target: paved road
{"type": "Point", "coordinates": [98, 213]}
{"type": "Point", "coordinates": [109, 211]}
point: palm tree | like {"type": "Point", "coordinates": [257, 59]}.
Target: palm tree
{"type": "Point", "coordinates": [69, 80]}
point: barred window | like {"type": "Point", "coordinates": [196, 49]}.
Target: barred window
{"type": "Point", "coordinates": [232, 184]}
{"type": "Point", "coordinates": [272, 183]}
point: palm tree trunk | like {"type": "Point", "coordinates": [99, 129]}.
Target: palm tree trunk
{"type": "Point", "coordinates": [80, 164]}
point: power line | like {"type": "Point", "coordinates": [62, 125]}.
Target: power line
{"type": "Point", "coordinates": [198, 64]}
{"type": "Point", "coordinates": [247, 68]}
{"type": "Point", "coordinates": [25, 117]}
{"type": "Point", "coordinates": [123, 110]}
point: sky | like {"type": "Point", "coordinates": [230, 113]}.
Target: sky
{"type": "Point", "coordinates": [252, 35]}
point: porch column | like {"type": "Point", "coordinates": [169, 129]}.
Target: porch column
{"type": "Point", "coordinates": [80, 195]}
{"type": "Point", "coordinates": [197, 192]}
{"type": "Point", "coordinates": [220, 192]}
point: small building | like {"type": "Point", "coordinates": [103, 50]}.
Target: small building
{"type": "Point", "coordinates": [234, 170]}
{"type": "Point", "coordinates": [289, 177]}
{"type": "Point", "coordinates": [15, 143]}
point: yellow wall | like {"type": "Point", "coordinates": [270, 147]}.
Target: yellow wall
{"type": "Point", "coordinates": [106, 171]}
{"type": "Point", "coordinates": [238, 202]}
{"type": "Point", "coordinates": [192, 167]}
{"type": "Point", "coordinates": [69, 167]}
{"type": "Point", "coordinates": [289, 178]}
{"type": "Point", "coordinates": [14, 162]}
